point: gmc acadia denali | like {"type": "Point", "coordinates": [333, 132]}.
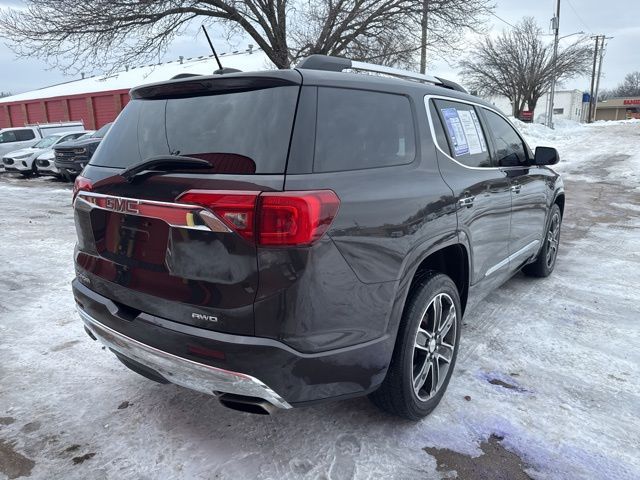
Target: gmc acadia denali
{"type": "Point", "coordinates": [287, 237]}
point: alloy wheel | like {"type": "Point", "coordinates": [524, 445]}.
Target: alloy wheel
{"type": "Point", "coordinates": [434, 345]}
{"type": "Point", "coordinates": [553, 238]}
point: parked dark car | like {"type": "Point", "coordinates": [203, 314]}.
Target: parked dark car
{"type": "Point", "coordinates": [71, 157]}
{"type": "Point", "coordinates": [287, 237]}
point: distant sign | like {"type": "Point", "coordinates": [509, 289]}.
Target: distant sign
{"type": "Point", "coordinates": [526, 116]}
{"type": "Point", "coordinates": [632, 101]}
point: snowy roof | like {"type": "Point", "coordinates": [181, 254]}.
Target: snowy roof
{"type": "Point", "coordinates": [243, 60]}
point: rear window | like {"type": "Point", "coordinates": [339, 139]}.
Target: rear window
{"type": "Point", "coordinates": [359, 130]}
{"type": "Point", "coordinates": [239, 132]}
{"type": "Point", "coordinates": [24, 135]}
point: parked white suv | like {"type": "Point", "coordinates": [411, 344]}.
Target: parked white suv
{"type": "Point", "coordinates": [15, 138]}
{"type": "Point", "coordinates": [23, 160]}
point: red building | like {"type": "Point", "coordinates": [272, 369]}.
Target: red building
{"type": "Point", "coordinates": [98, 100]}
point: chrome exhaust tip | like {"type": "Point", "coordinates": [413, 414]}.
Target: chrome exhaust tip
{"type": "Point", "coordinates": [241, 403]}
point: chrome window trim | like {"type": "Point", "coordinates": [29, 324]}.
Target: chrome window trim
{"type": "Point", "coordinates": [475, 104]}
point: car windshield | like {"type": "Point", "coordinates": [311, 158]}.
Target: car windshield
{"type": "Point", "coordinates": [102, 132]}
{"type": "Point", "coordinates": [46, 142]}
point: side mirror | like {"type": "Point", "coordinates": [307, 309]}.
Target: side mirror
{"type": "Point", "coordinates": [546, 156]}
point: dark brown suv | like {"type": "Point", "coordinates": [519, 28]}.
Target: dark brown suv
{"type": "Point", "coordinates": [286, 237]}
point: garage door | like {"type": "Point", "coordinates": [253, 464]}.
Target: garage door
{"type": "Point", "coordinates": [4, 117]}
{"type": "Point", "coordinates": [35, 113]}
{"type": "Point", "coordinates": [17, 117]}
{"type": "Point", "coordinates": [55, 111]}
{"type": "Point", "coordinates": [124, 99]}
{"type": "Point", "coordinates": [78, 110]}
{"type": "Point", "coordinates": [104, 109]}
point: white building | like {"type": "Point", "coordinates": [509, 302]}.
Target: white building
{"type": "Point", "coordinates": [567, 105]}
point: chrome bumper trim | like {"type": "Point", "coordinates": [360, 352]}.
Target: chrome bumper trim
{"type": "Point", "coordinates": [181, 371]}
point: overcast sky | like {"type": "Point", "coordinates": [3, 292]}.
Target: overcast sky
{"type": "Point", "coordinates": [616, 18]}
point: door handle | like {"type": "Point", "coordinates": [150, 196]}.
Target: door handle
{"type": "Point", "coordinates": [466, 202]}
{"type": "Point", "coordinates": [516, 188]}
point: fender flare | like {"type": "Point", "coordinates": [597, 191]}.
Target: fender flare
{"type": "Point", "coordinates": [410, 266]}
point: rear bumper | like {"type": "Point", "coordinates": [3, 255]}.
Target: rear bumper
{"type": "Point", "coordinates": [215, 362]}
{"type": "Point", "coordinates": [181, 371]}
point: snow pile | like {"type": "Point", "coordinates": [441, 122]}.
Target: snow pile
{"type": "Point", "coordinates": [601, 150]}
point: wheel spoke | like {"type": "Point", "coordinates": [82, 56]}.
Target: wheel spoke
{"type": "Point", "coordinates": [435, 376]}
{"type": "Point", "coordinates": [437, 313]}
{"type": "Point", "coordinates": [420, 379]}
{"type": "Point", "coordinates": [422, 333]}
{"type": "Point", "coordinates": [448, 322]}
{"type": "Point", "coordinates": [445, 352]}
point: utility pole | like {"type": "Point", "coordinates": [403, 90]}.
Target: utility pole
{"type": "Point", "coordinates": [556, 40]}
{"type": "Point", "coordinates": [602, 51]}
{"type": "Point", "coordinates": [593, 79]}
{"type": "Point", "coordinates": [423, 37]}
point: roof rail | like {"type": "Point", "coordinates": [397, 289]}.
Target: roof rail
{"type": "Point", "coordinates": [338, 64]}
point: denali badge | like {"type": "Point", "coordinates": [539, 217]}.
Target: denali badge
{"type": "Point", "coordinates": [206, 318]}
{"type": "Point", "coordinates": [123, 205]}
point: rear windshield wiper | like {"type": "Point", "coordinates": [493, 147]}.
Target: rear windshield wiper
{"type": "Point", "coordinates": [165, 163]}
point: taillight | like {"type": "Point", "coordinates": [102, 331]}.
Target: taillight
{"type": "Point", "coordinates": [295, 218]}
{"type": "Point", "coordinates": [271, 218]}
{"type": "Point", "coordinates": [81, 184]}
{"type": "Point", "coordinates": [236, 209]}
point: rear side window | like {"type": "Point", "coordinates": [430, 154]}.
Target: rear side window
{"type": "Point", "coordinates": [8, 136]}
{"type": "Point", "coordinates": [510, 150]}
{"type": "Point", "coordinates": [359, 130]}
{"type": "Point", "coordinates": [466, 141]}
{"type": "Point", "coordinates": [24, 135]}
{"type": "Point", "coordinates": [239, 132]}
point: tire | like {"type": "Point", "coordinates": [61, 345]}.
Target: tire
{"type": "Point", "coordinates": [546, 260]}
{"type": "Point", "coordinates": [30, 173]}
{"type": "Point", "coordinates": [397, 394]}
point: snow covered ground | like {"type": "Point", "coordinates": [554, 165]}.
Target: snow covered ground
{"type": "Point", "coordinates": [547, 384]}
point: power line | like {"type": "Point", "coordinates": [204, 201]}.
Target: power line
{"type": "Point", "coordinates": [584, 24]}
{"type": "Point", "coordinates": [491, 12]}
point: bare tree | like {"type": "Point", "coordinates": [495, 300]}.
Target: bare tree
{"type": "Point", "coordinates": [443, 23]}
{"type": "Point", "coordinates": [5, 94]}
{"type": "Point", "coordinates": [89, 36]}
{"type": "Point", "coordinates": [98, 34]}
{"type": "Point", "coordinates": [360, 29]}
{"type": "Point", "coordinates": [630, 87]}
{"type": "Point", "coordinates": [519, 65]}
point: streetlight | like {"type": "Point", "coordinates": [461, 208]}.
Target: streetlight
{"type": "Point", "coordinates": [552, 93]}
{"type": "Point", "coordinates": [571, 35]}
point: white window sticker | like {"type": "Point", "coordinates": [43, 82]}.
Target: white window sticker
{"type": "Point", "coordinates": [473, 139]}
{"type": "Point", "coordinates": [476, 122]}
{"type": "Point", "coordinates": [456, 132]}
